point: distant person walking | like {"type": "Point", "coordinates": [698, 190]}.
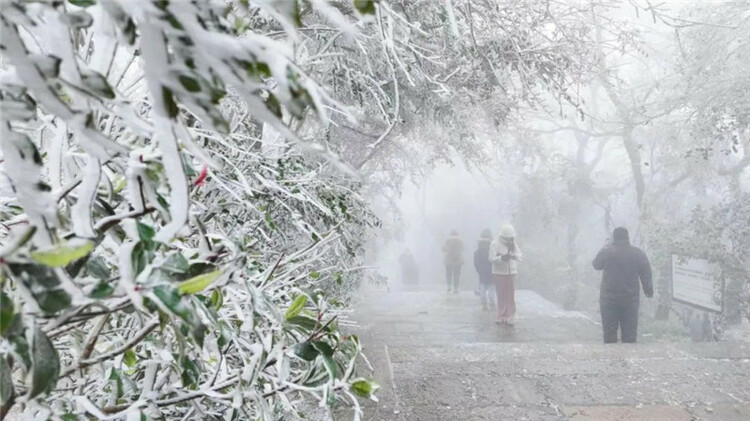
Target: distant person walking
{"type": "Point", "coordinates": [623, 267]}
{"type": "Point", "coordinates": [409, 270]}
{"type": "Point", "coordinates": [484, 270]}
{"type": "Point", "coordinates": [453, 251]}
{"type": "Point", "coordinates": [504, 254]}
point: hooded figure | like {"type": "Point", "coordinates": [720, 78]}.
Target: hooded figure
{"type": "Point", "coordinates": [625, 268]}
{"type": "Point", "coordinates": [409, 270]}
{"type": "Point", "coordinates": [453, 250]}
{"type": "Point", "coordinates": [484, 270]}
{"type": "Point", "coordinates": [504, 254]}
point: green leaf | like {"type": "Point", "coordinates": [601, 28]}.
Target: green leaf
{"type": "Point", "coordinates": [96, 267]}
{"type": "Point", "coordinates": [16, 335]}
{"type": "Point", "coordinates": [172, 300]}
{"type": "Point", "coordinates": [102, 290]}
{"type": "Point", "coordinates": [6, 312]}
{"type": "Point", "coordinates": [82, 3]}
{"type": "Point", "coordinates": [145, 232]}
{"type": "Point", "coordinates": [198, 283]}
{"type": "Point", "coordinates": [6, 381]}
{"type": "Point", "coordinates": [297, 305]}
{"type": "Point", "coordinates": [306, 351]}
{"type": "Point", "coordinates": [62, 254]}
{"type": "Point", "coordinates": [44, 285]}
{"type": "Point", "coordinates": [46, 364]}
{"type": "Point", "coordinates": [331, 366]}
{"type": "Point", "coordinates": [304, 322]}
{"type": "Point", "coordinates": [129, 358]}
{"type": "Point", "coordinates": [95, 82]}
{"type": "Point", "coordinates": [364, 388]}
{"type": "Point", "coordinates": [140, 257]}
{"type": "Point", "coordinates": [365, 7]}
{"type": "Point", "coordinates": [217, 298]}
{"type": "Point", "coordinates": [324, 348]}
{"type": "Point", "coordinates": [189, 83]}
{"type": "Point", "coordinates": [170, 106]}
{"type": "Point", "coordinates": [175, 263]}
{"type": "Point", "coordinates": [190, 373]}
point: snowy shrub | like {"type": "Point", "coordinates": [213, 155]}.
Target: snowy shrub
{"type": "Point", "coordinates": [159, 259]}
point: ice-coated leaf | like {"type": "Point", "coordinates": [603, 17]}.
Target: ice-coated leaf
{"type": "Point", "coordinates": [102, 290]}
{"type": "Point", "coordinates": [172, 299]}
{"type": "Point", "coordinates": [305, 323]}
{"type": "Point", "coordinates": [365, 7]}
{"type": "Point", "coordinates": [82, 3]}
{"type": "Point", "coordinates": [364, 388]}
{"type": "Point", "coordinates": [44, 285]}
{"type": "Point", "coordinates": [79, 19]}
{"type": "Point", "coordinates": [6, 381]}
{"type": "Point", "coordinates": [331, 366]}
{"type": "Point", "coordinates": [217, 298]}
{"type": "Point", "coordinates": [129, 358]}
{"type": "Point", "coordinates": [324, 348]}
{"type": "Point", "coordinates": [63, 254]}
{"type": "Point", "coordinates": [6, 312]}
{"type": "Point", "coordinates": [306, 351]}
{"type": "Point", "coordinates": [97, 268]}
{"type": "Point", "coordinates": [46, 364]}
{"type": "Point", "coordinates": [296, 307]}
{"type": "Point", "coordinates": [198, 283]}
{"type": "Point", "coordinates": [16, 335]}
{"type": "Point", "coordinates": [145, 232]}
{"type": "Point", "coordinates": [175, 263]}
{"type": "Point", "coordinates": [190, 373]}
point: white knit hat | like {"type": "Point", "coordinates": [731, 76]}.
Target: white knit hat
{"type": "Point", "coordinates": [507, 231]}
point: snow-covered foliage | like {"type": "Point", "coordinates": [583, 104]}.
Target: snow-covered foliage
{"type": "Point", "coordinates": [159, 259]}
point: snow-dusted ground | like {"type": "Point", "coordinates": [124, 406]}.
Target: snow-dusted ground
{"type": "Point", "coordinates": [439, 357]}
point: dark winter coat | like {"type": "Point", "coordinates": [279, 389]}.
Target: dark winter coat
{"type": "Point", "coordinates": [624, 266]}
{"type": "Point", "coordinates": [453, 250]}
{"type": "Point", "coordinates": [482, 262]}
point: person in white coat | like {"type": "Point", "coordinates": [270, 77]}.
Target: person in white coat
{"type": "Point", "coordinates": [504, 254]}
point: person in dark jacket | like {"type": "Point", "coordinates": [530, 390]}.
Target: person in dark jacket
{"type": "Point", "coordinates": [453, 250]}
{"type": "Point", "coordinates": [409, 269]}
{"type": "Point", "coordinates": [484, 270]}
{"type": "Point", "coordinates": [625, 269]}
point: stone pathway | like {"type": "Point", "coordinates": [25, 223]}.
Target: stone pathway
{"type": "Point", "coordinates": [439, 357]}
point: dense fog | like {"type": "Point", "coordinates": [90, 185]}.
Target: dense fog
{"type": "Point", "coordinates": [381, 209]}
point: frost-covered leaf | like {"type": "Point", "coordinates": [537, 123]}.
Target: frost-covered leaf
{"type": "Point", "coordinates": [217, 298]}
{"type": "Point", "coordinates": [198, 283]}
{"type": "Point", "coordinates": [364, 388]}
{"type": "Point", "coordinates": [79, 19]}
{"type": "Point", "coordinates": [6, 381]}
{"type": "Point", "coordinates": [82, 3]}
{"type": "Point", "coordinates": [307, 324]}
{"type": "Point", "coordinates": [175, 263]}
{"type": "Point", "coordinates": [324, 348]}
{"type": "Point", "coordinates": [129, 358]}
{"type": "Point", "coordinates": [102, 290]}
{"type": "Point", "coordinates": [97, 268]}
{"type": "Point", "coordinates": [145, 232]}
{"type": "Point", "coordinates": [6, 312]}
{"type": "Point", "coordinates": [296, 307]}
{"type": "Point", "coordinates": [46, 364]}
{"type": "Point", "coordinates": [306, 351]}
{"type": "Point", "coordinates": [365, 7]}
{"type": "Point", "coordinates": [43, 284]}
{"type": "Point", "coordinates": [63, 254]}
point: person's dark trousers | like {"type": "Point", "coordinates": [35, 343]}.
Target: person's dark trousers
{"type": "Point", "coordinates": [452, 274]}
{"type": "Point", "coordinates": [622, 315]}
